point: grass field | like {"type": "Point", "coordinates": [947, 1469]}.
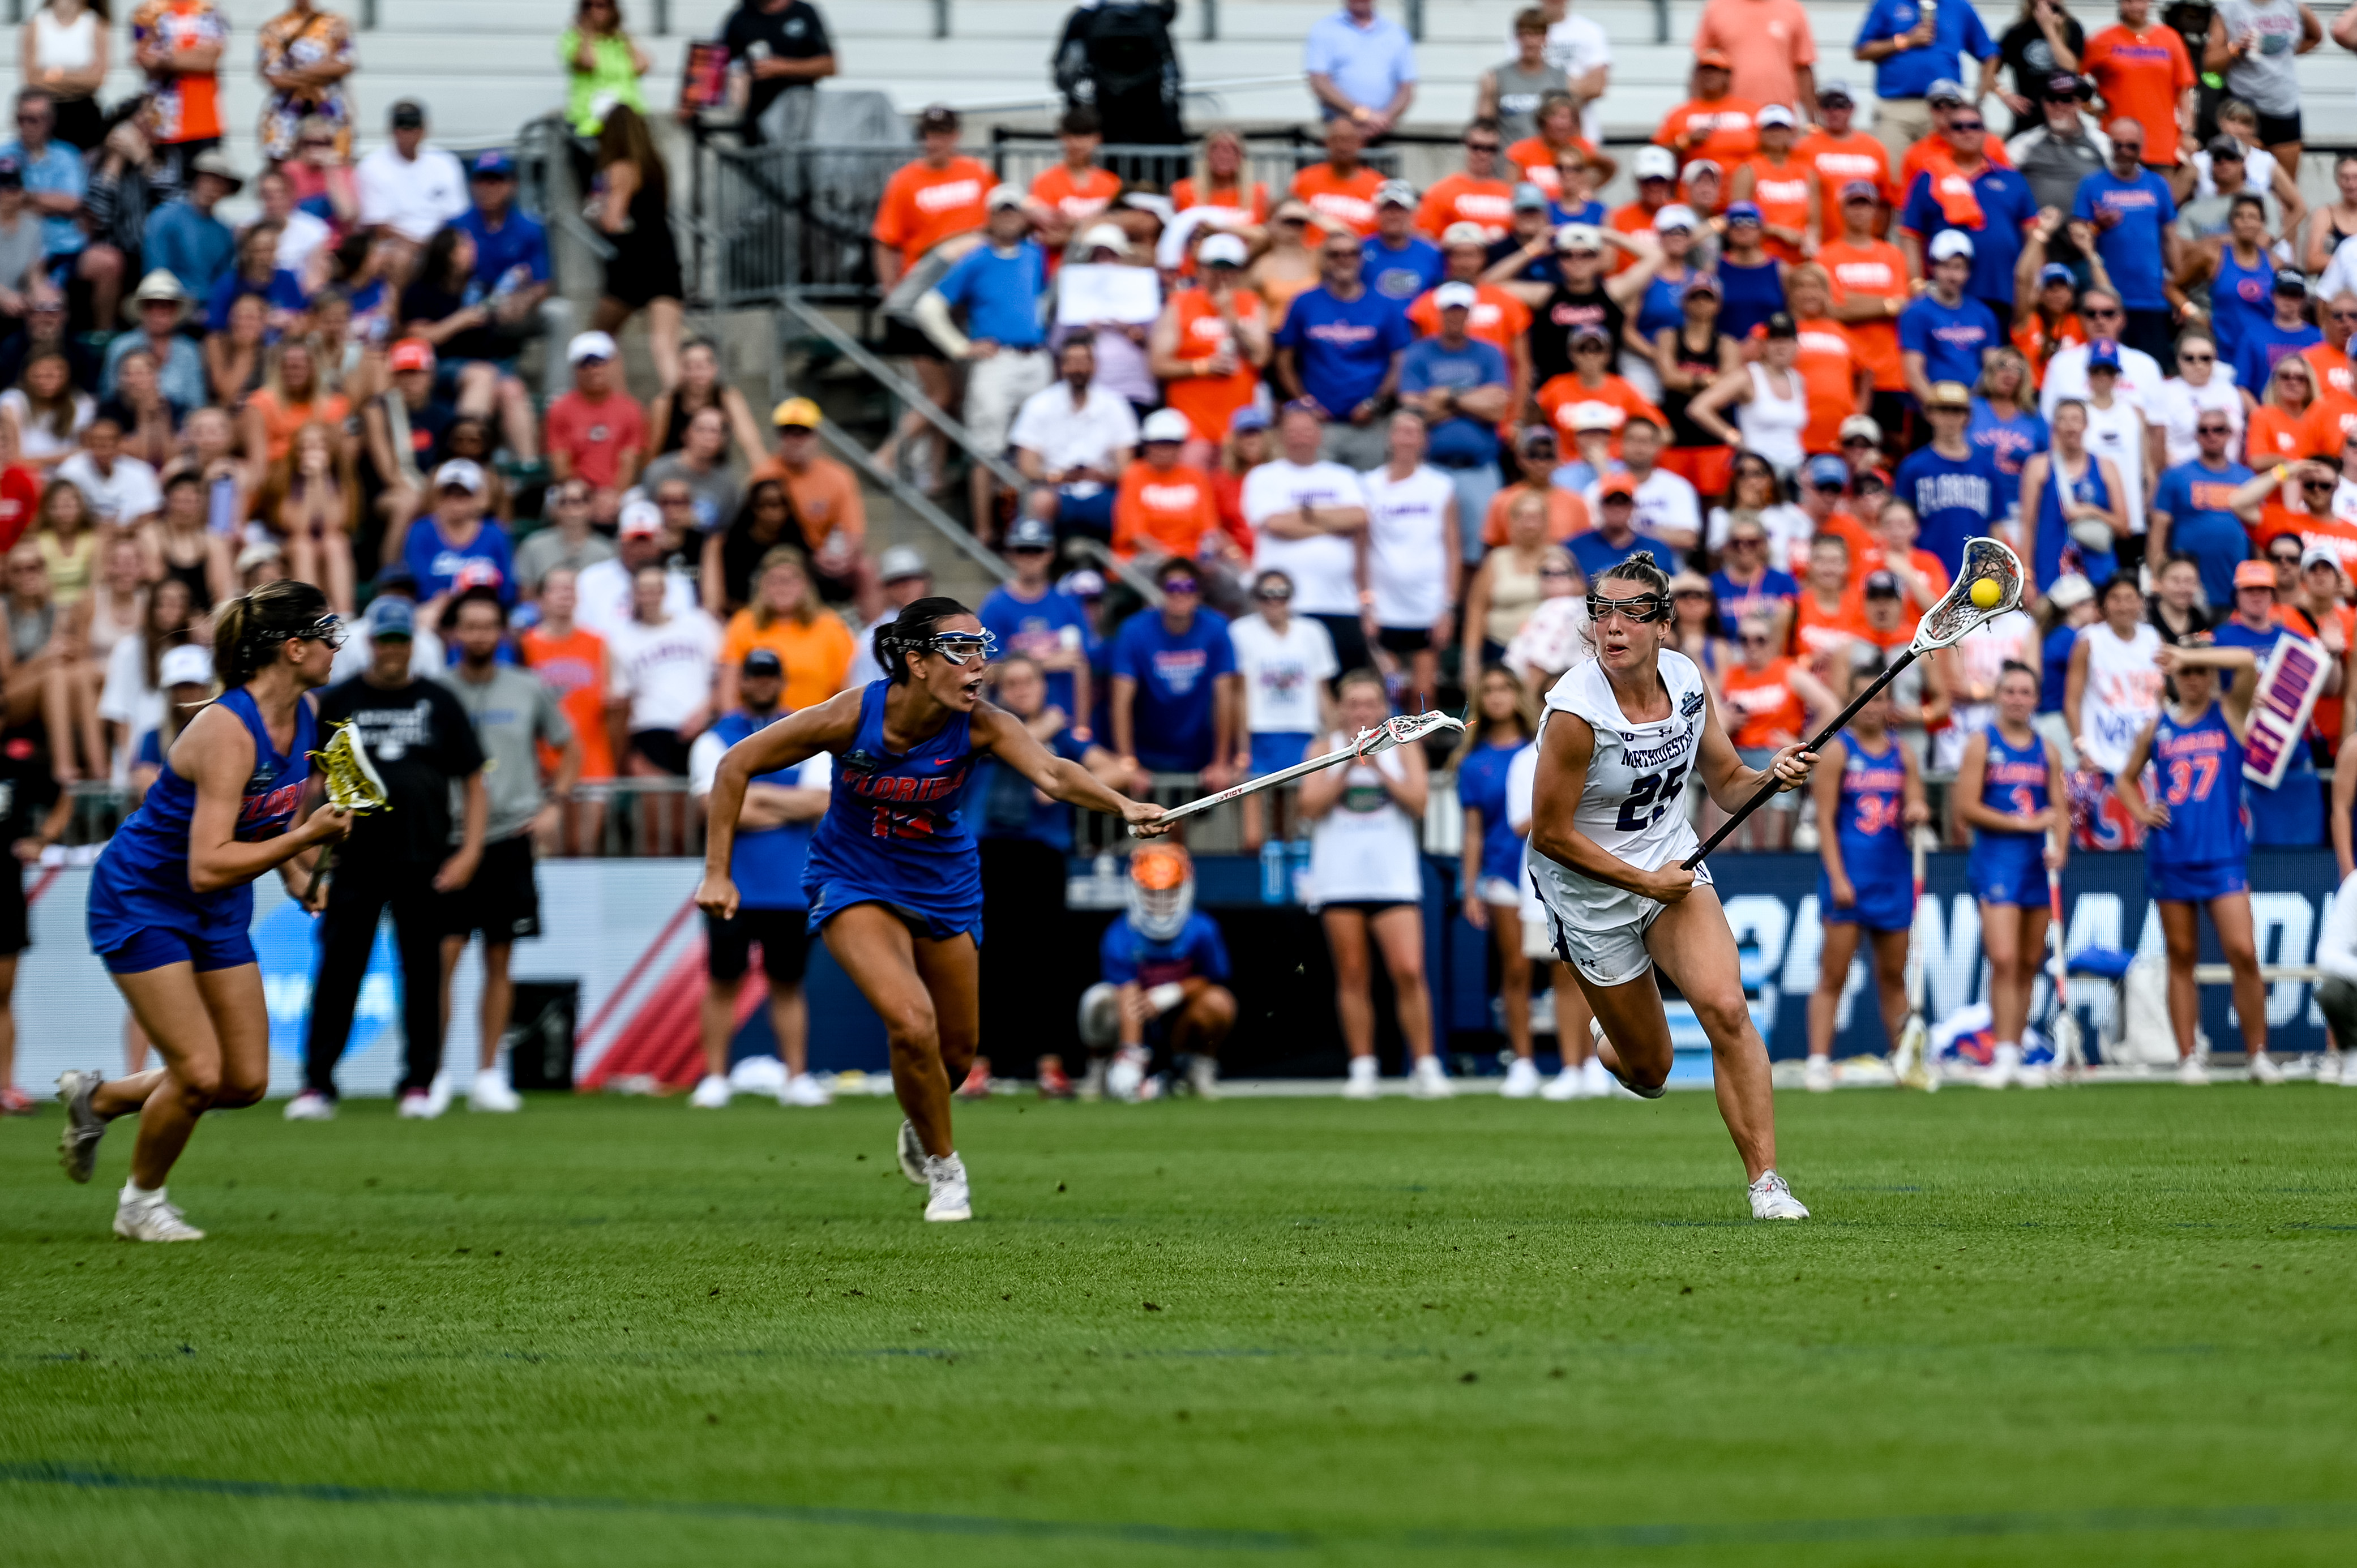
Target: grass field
{"type": "Point", "coordinates": [2100, 1326]}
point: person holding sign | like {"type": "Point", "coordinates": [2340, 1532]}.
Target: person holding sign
{"type": "Point", "coordinates": [2287, 809]}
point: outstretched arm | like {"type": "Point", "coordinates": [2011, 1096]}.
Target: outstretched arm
{"type": "Point", "coordinates": [1002, 735]}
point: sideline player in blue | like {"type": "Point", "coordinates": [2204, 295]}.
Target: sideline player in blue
{"type": "Point", "coordinates": [894, 876]}
{"type": "Point", "coordinates": [2197, 851]}
{"type": "Point", "coordinates": [2010, 791]}
{"type": "Point", "coordinates": [172, 897]}
{"type": "Point", "coordinates": [1870, 795]}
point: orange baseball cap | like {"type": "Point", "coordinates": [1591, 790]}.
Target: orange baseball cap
{"type": "Point", "coordinates": [1714, 56]}
{"type": "Point", "coordinates": [2255, 575]}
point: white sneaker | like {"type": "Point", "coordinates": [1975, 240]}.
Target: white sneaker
{"type": "Point", "coordinates": [945, 1173]}
{"type": "Point", "coordinates": [1426, 1081]}
{"type": "Point", "coordinates": [418, 1105]}
{"type": "Point", "coordinates": [1092, 1082]}
{"type": "Point", "coordinates": [1204, 1076]}
{"type": "Point", "coordinates": [1522, 1079]}
{"type": "Point", "coordinates": [2033, 1076]}
{"type": "Point", "coordinates": [1818, 1076]}
{"type": "Point", "coordinates": [150, 1218]}
{"type": "Point", "coordinates": [1362, 1084]}
{"type": "Point", "coordinates": [2192, 1073]}
{"type": "Point", "coordinates": [1772, 1199]}
{"type": "Point", "coordinates": [2327, 1068]}
{"type": "Point", "coordinates": [1595, 1079]}
{"type": "Point", "coordinates": [310, 1106]}
{"type": "Point", "coordinates": [1568, 1084]}
{"type": "Point", "coordinates": [438, 1094]}
{"type": "Point", "coordinates": [802, 1090]}
{"type": "Point", "coordinates": [758, 1075]}
{"type": "Point", "coordinates": [1126, 1072]}
{"type": "Point", "coordinates": [490, 1091]}
{"type": "Point", "coordinates": [712, 1093]}
{"type": "Point", "coordinates": [2262, 1068]}
{"type": "Point", "coordinates": [911, 1154]}
{"type": "Point", "coordinates": [2003, 1070]}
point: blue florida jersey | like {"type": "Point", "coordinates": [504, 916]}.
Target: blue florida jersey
{"type": "Point", "coordinates": [1871, 829]}
{"type": "Point", "coordinates": [2007, 866]}
{"type": "Point", "coordinates": [2197, 771]}
{"type": "Point", "coordinates": [2015, 779]}
{"type": "Point", "coordinates": [894, 831]}
{"type": "Point", "coordinates": [142, 878]}
{"type": "Point", "coordinates": [766, 864]}
{"type": "Point", "coordinates": [1197, 953]}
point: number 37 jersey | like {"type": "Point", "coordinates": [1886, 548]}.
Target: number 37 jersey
{"type": "Point", "coordinates": [1633, 804]}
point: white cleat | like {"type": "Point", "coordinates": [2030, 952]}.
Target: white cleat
{"type": "Point", "coordinates": [912, 1153]}
{"type": "Point", "coordinates": [712, 1093]}
{"type": "Point", "coordinates": [2262, 1068]}
{"type": "Point", "coordinates": [2033, 1078]}
{"type": "Point", "coordinates": [1126, 1073]}
{"type": "Point", "coordinates": [1426, 1081]}
{"type": "Point", "coordinates": [419, 1105]}
{"type": "Point", "coordinates": [951, 1200]}
{"type": "Point", "coordinates": [802, 1090]}
{"type": "Point", "coordinates": [1092, 1082]}
{"type": "Point", "coordinates": [150, 1218]}
{"type": "Point", "coordinates": [1818, 1076]}
{"type": "Point", "coordinates": [491, 1092]}
{"type": "Point", "coordinates": [78, 1144]}
{"type": "Point", "coordinates": [1772, 1199]}
{"type": "Point", "coordinates": [310, 1106]}
{"type": "Point", "coordinates": [1568, 1084]}
{"type": "Point", "coordinates": [1204, 1076]}
{"type": "Point", "coordinates": [2327, 1068]}
{"type": "Point", "coordinates": [2192, 1073]}
{"type": "Point", "coordinates": [1362, 1084]}
{"type": "Point", "coordinates": [438, 1094]}
{"type": "Point", "coordinates": [1595, 1079]}
{"type": "Point", "coordinates": [758, 1075]}
{"type": "Point", "coordinates": [1522, 1079]}
{"type": "Point", "coordinates": [2004, 1068]}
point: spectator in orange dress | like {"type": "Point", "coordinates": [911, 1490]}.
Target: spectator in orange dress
{"type": "Point", "coordinates": [1782, 186]}
{"type": "Point", "coordinates": [940, 197]}
{"type": "Point", "coordinates": [1211, 346]}
{"type": "Point", "coordinates": [1768, 695]}
{"type": "Point", "coordinates": [1475, 194]}
{"type": "Point", "coordinates": [786, 617]}
{"type": "Point", "coordinates": [1341, 190]}
{"type": "Point", "coordinates": [1830, 611]}
{"type": "Point", "coordinates": [2279, 430]}
{"type": "Point", "coordinates": [1713, 123]}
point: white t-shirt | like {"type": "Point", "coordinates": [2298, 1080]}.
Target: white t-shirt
{"type": "Point", "coordinates": [2066, 376]}
{"type": "Point", "coordinates": [36, 443]}
{"type": "Point", "coordinates": [121, 497]}
{"type": "Point", "coordinates": [415, 197]}
{"type": "Point", "coordinates": [1789, 533]}
{"type": "Point", "coordinates": [704, 766]}
{"type": "Point", "coordinates": [1574, 47]}
{"type": "Point", "coordinates": [1066, 438]}
{"type": "Point", "coordinates": [604, 587]}
{"type": "Point", "coordinates": [2340, 272]}
{"type": "Point", "coordinates": [2259, 168]}
{"type": "Point", "coordinates": [1281, 674]}
{"type": "Point", "coordinates": [2123, 693]}
{"type": "Point", "coordinates": [128, 700]}
{"type": "Point", "coordinates": [1666, 505]}
{"type": "Point", "coordinates": [2181, 403]}
{"type": "Point", "coordinates": [1324, 569]}
{"type": "Point", "coordinates": [2117, 433]}
{"type": "Point", "coordinates": [665, 670]}
{"type": "Point", "coordinates": [1407, 561]}
{"type": "Point", "coordinates": [304, 234]}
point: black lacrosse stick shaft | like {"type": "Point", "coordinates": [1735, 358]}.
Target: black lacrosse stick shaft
{"type": "Point", "coordinates": [1768, 788]}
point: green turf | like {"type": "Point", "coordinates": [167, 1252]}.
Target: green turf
{"type": "Point", "coordinates": [2100, 1326]}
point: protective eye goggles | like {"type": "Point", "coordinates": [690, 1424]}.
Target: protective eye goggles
{"type": "Point", "coordinates": [1643, 609]}
{"type": "Point", "coordinates": [958, 646]}
{"type": "Point", "coordinates": [327, 629]}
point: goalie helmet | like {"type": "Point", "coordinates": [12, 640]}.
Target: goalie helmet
{"type": "Point", "coordinates": [1161, 890]}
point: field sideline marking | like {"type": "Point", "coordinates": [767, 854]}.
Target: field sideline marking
{"type": "Point", "coordinates": [1920, 1527]}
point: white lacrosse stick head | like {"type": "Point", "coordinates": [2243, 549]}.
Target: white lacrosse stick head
{"type": "Point", "coordinates": [1402, 729]}
{"type": "Point", "coordinates": [1957, 615]}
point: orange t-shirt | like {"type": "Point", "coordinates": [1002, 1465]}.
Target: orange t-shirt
{"type": "Point", "coordinates": [1210, 401]}
{"type": "Point", "coordinates": [1247, 203]}
{"type": "Point", "coordinates": [1764, 710]}
{"type": "Point", "coordinates": [825, 498]}
{"type": "Point", "coordinates": [2330, 418]}
{"type": "Point", "coordinates": [2142, 78]}
{"type": "Point", "coordinates": [1782, 196]}
{"type": "Point", "coordinates": [816, 653]}
{"type": "Point", "coordinates": [281, 421]}
{"type": "Point", "coordinates": [1837, 160]}
{"type": "Point", "coordinates": [1933, 155]}
{"type": "Point", "coordinates": [1862, 540]}
{"type": "Point", "coordinates": [1731, 125]}
{"type": "Point", "coordinates": [2039, 343]}
{"type": "Point", "coordinates": [1819, 636]}
{"type": "Point", "coordinates": [1079, 198]}
{"type": "Point", "coordinates": [1875, 270]}
{"type": "Point", "coordinates": [1171, 508]}
{"type": "Point", "coordinates": [1630, 220]}
{"type": "Point", "coordinates": [2336, 533]}
{"type": "Point", "coordinates": [1349, 203]}
{"type": "Point", "coordinates": [1532, 159]}
{"type": "Point", "coordinates": [923, 206]}
{"type": "Point", "coordinates": [1461, 198]}
{"type": "Point", "coordinates": [573, 667]}
{"type": "Point", "coordinates": [1936, 579]}
{"type": "Point", "coordinates": [1566, 514]}
{"type": "Point", "coordinates": [2324, 719]}
{"type": "Point", "coordinates": [1828, 364]}
{"type": "Point", "coordinates": [2275, 436]}
{"type": "Point", "coordinates": [2333, 373]}
{"type": "Point", "coordinates": [1496, 318]}
{"type": "Point", "coordinates": [1561, 394]}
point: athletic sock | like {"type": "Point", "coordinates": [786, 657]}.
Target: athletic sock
{"type": "Point", "coordinates": [134, 1193]}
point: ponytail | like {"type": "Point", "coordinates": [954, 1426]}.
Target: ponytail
{"type": "Point", "coordinates": [249, 630]}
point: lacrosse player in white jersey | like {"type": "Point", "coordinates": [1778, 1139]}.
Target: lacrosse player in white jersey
{"type": "Point", "coordinates": [1619, 737]}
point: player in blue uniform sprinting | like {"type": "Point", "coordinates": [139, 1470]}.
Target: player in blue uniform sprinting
{"type": "Point", "coordinates": [2010, 791]}
{"type": "Point", "coordinates": [172, 897]}
{"type": "Point", "coordinates": [1870, 795]}
{"type": "Point", "coordinates": [893, 875]}
{"type": "Point", "coordinates": [2197, 848]}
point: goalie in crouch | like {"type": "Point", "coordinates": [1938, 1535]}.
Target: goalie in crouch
{"type": "Point", "coordinates": [1620, 736]}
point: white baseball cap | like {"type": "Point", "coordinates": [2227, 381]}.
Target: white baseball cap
{"type": "Point", "coordinates": [1775, 114]}
{"type": "Point", "coordinates": [1165, 424]}
{"type": "Point", "coordinates": [1105, 237]}
{"type": "Point", "coordinates": [187, 665]}
{"type": "Point", "coordinates": [1002, 195]}
{"type": "Point", "coordinates": [1465, 234]}
{"type": "Point", "coordinates": [641, 517]}
{"type": "Point", "coordinates": [1454, 296]}
{"type": "Point", "coordinates": [1951, 242]}
{"type": "Point", "coordinates": [1593, 416]}
{"type": "Point", "coordinates": [1655, 162]}
{"type": "Point", "coordinates": [589, 346]}
{"type": "Point", "coordinates": [1676, 215]}
{"type": "Point", "coordinates": [1221, 249]}
{"type": "Point", "coordinates": [462, 473]}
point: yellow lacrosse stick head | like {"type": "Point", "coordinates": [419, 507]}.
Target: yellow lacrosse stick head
{"type": "Point", "coordinates": [353, 782]}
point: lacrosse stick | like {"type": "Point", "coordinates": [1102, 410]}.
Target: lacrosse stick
{"type": "Point", "coordinates": [1911, 1059]}
{"type": "Point", "coordinates": [1391, 732]}
{"type": "Point", "coordinates": [353, 785]}
{"type": "Point", "coordinates": [2069, 1057]}
{"type": "Point", "coordinates": [1958, 613]}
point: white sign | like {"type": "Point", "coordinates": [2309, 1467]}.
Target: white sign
{"type": "Point", "coordinates": [1090, 293]}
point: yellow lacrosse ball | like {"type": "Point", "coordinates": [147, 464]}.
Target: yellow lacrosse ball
{"type": "Point", "coordinates": [1984, 592]}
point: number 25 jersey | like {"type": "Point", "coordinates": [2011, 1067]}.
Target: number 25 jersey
{"type": "Point", "coordinates": [1632, 804]}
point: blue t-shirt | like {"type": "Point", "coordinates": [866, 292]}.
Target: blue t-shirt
{"type": "Point", "coordinates": [1457, 442]}
{"type": "Point", "coordinates": [2131, 247]}
{"type": "Point", "coordinates": [1597, 553]}
{"type": "Point", "coordinates": [282, 292]}
{"type": "Point", "coordinates": [436, 563]}
{"type": "Point", "coordinates": [1481, 786]}
{"type": "Point", "coordinates": [1952, 339]}
{"type": "Point", "coordinates": [1002, 804]}
{"type": "Point", "coordinates": [1343, 347]}
{"type": "Point", "coordinates": [1589, 211]}
{"type": "Point", "coordinates": [2006, 205]}
{"type": "Point", "coordinates": [1956, 35]}
{"type": "Point", "coordinates": [1171, 717]}
{"type": "Point", "coordinates": [519, 242]}
{"type": "Point", "coordinates": [192, 247]}
{"type": "Point", "coordinates": [2201, 523]}
{"type": "Point", "coordinates": [766, 864]}
{"type": "Point", "coordinates": [1195, 954]}
{"type": "Point", "coordinates": [1953, 498]}
{"type": "Point", "coordinates": [1038, 628]}
{"type": "Point", "coordinates": [1766, 597]}
{"type": "Point", "coordinates": [1401, 276]}
{"type": "Point", "coordinates": [56, 171]}
{"type": "Point", "coordinates": [2010, 441]}
{"type": "Point", "coordinates": [2262, 344]}
{"type": "Point", "coordinates": [1000, 292]}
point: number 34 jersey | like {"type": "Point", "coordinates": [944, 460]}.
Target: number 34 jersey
{"type": "Point", "coordinates": [1633, 803]}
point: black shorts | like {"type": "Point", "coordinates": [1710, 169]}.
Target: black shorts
{"type": "Point", "coordinates": [663, 748]}
{"type": "Point", "coordinates": [907, 340]}
{"type": "Point", "coordinates": [502, 901]}
{"type": "Point", "coordinates": [1370, 908]}
{"type": "Point", "coordinates": [784, 936]}
{"type": "Point", "coordinates": [2275, 130]}
{"type": "Point", "coordinates": [16, 931]}
{"type": "Point", "coordinates": [1403, 638]}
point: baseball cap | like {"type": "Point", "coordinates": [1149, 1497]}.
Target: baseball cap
{"type": "Point", "coordinates": [1002, 195]}
{"type": "Point", "coordinates": [1528, 196]}
{"type": "Point", "coordinates": [1951, 242]}
{"type": "Point", "coordinates": [2070, 590]}
{"type": "Point", "coordinates": [493, 164]}
{"type": "Point", "coordinates": [1781, 325]}
{"type": "Point", "coordinates": [1533, 435]}
{"type": "Point", "coordinates": [762, 662]}
{"type": "Point", "coordinates": [1454, 296]}
{"type": "Point", "coordinates": [1593, 415]}
{"type": "Point", "coordinates": [1396, 193]}
{"type": "Point", "coordinates": [1221, 250]}
{"type": "Point", "coordinates": [389, 617]}
{"type": "Point", "coordinates": [1860, 191]}
{"type": "Point", "coordinates": [1864, 424]}
{"type": "Point", "coordinates": [1881, 585]}
{"type": "Point", "coordinates": [407, 114]}
{"type": "Point", "coordinates": [1589, 332]}
{"type": "Point", "coordinates": [1715, 59]}
{"type": "Point", "coordinates": [641, 518]}
{"type": "Point", "coordinates": [1031, 533]}
{"type": "Point", "coordinates": [1827, 470]}
{"type": "Point", "coordinates": [1676, 215]}
{"type": "Point", "coordinates": [1949, 394]}
{"type": "Point", "coordinates": [1774, 114]}
{"type": "Point", "coordinates": [1836, 91]}
{"type": "Point", "coordinates": [1165, 424]}
{"type": "Point", "coordinates": [2255, 575]}
{"type": "Point", "coordinates": [1697, 166]}
{"type": "Point", "coordinates": [1655, 162]}
{"type": "Point", "coordinates": [1085, 583]}
{"type": "Point", "coordinates": [588, 346]}
{"type": "Point", "coordinates": [215, 162]}
{"type": "Point", "coordinates": [937, 117]}
{"type": "Point", "coordinates": [259, 553]}
{"type": "Point", "coordinates": [2055, 272]}
{"type": "Point", "coordinates": [1706, 282]}
{"type": "Point", "coordinates": [396, 575]}
{"type": "Point", "coordinates": [410, 354]}
{"type": "Point", "coordinates": [796, 413]}
{"type": "Point", "coordinates": [459, 473]}
{"type": "Point", "coordinates": [1619, 485]}
{"type": "Point", "coordinates": [1465, 234]}
{"type": "Point", "coordinates": [2290, 282]}
{"type": "Point", "coordinates": [1103, 237]}
{"type": "Point", "coordinates": [188, 665]}
{"type": "Point", "coordinates": [2227, 148]}
{"type": "Point", "coordinates": [2319, 555]}
{"type": "Point", "coordinates": [1579, 237]}
{"type": "Point", "coordinates": [160, 285]}
{"type": "Point", "coordinates": [2104, 354]}
{"type": "Point", "coordinates": [1743, 212]}
{"type": "Point", "coordinates": [1249, 418]}
{"type": "Point", "coordinates": [2061, 84]}
{"type": "Point", "coordinates": [1947, 90]}
{"type": "Point", "coordinates": [899, 564]}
